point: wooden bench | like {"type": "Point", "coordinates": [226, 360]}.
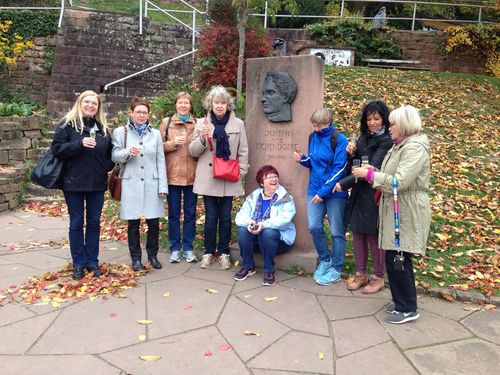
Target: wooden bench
{"type": "Point", "coordinates": [394, 64]}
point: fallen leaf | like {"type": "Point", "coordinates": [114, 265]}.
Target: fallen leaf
{"type": "Point", "coordinates": [225, 347]}
{"type": "Point", "coordinates": [149, 358]}
{"type": "Point", "coordinates": [247, 296]}
{"type": "Point", "coordinates": [145, 322]}
{"type": "Point", "coordinates": [187, 306]}
{"type": "Point", "coordinates": [447, 296]}
{"type": "Point", "coordinates": [113, 315]}
{"type": "Point", "coordinates": [470, 308]}
{"type": "Point", "coordinates": [490, 307]}
{"type": "Point", "coordinates": [166, 294]}
{"type": "Point", "coordinates": [236, 263]}
{"type": "Point", "coordinates": [141, 337]}
{"type": "Point", "coordinates": [321, 356]}
{"type": "Point", "coordinates": [212, 291]}
{"type": "Point", "coordinates": [208, 353]}
{"type": "Point", "coordinates": [251, 333]}
{"type": "Point", "coordinates": [270, 299]}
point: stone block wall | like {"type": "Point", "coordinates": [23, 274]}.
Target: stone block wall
{"type": "Point", "coordinates": [18, 139]}
{"type": "Point", "coordinates": [94, 49]}
{"type": "Point", "coordinates": [31, 76]}
{"type": "Point", "coordinates": [10, 186]}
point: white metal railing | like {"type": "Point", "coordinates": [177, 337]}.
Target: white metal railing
{"type": "Point", "coordinates": [413, 19]}
{"type": "Point", "coordinates": [61, 8]}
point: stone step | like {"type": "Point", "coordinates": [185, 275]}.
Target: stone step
{"type": "Point", "coordinates": [35, 190]}
{"type": "Point", "coordinates": [48, 199]}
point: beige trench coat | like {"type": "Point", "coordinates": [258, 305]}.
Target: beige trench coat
{"type": "Point", "coordinates": [204, 183]}
{"type": "Point", "coordinates": [409, 162]}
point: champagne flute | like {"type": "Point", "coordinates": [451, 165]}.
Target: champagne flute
{"type": "Point", "coordinates": [356, 163]}
{"type": "Point", "coordinates": [353, 138]}
{"type": "Point", "coordinates": [92, 134]}
{"type": "Point", "coordinates": [298, 150]}
{"type": "Point", "coordinates": [364, 161]}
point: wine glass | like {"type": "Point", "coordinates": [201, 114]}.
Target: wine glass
{"type": "Point", "coordinates": [364, 161]}
{"type": "Point", "coordinates": [356, 163]}
{"type": "Point", "coordinates": [92, 134]}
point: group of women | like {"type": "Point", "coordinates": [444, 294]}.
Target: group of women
{"type": "Point", "coordinates": [176, 162]}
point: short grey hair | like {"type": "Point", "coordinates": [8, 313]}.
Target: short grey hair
{"type": "Point", "coordinates": [406, 119]}
{"type": "Point", "coordinates": [321, 116]}
{"type": "Point", "coordinates": [218, 92]}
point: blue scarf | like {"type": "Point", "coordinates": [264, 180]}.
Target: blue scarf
{"type": "Point", "coordinates": [139, 128]}
{"type": "Point", "coordinates": [183, 118]}
{"type": "Point", "coordinates": [259, 216]}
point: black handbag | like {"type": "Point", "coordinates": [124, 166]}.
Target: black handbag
{"type": "Point", "coordinates": [48, 172]}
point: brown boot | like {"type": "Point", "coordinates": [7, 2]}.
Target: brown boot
{"type": "Point", "coordinates": [361, 279]}
{"type": "Point", "coordinates": [374, 285]}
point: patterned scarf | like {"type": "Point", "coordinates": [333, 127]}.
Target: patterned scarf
{"type": "Point", "coordinates": [139, 128]}
{"type": "Point", "coordinates": [257, 215]}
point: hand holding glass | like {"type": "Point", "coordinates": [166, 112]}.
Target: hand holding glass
{"type": "Point", "coordinates": [92, 134]}
{"type": "Point", "coordinates": [356, 163]}
{"type": "Point", "coordinates": [364, 161]}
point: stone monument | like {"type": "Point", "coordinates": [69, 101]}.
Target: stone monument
{"type": "Point", "coordinates": [272, 142]}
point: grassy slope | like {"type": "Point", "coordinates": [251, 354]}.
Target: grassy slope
{"type": "Point", "coordinates": [460, 114]}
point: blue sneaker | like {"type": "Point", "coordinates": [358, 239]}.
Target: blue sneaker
{"type": "Point", "coordinates": [331, 276]}
{"type": "Point", "coordinates": [323, 266]}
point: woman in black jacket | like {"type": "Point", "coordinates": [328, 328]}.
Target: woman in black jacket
{"type": "Point", "coordinates": [362, 211]}
{"type": "Point", "coordinates": [83, 141]}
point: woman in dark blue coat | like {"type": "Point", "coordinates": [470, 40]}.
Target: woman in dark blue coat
{"type": "Point", "coordinates": [362, 212]}
{"type": "Point", "coordinates": [83, 141]}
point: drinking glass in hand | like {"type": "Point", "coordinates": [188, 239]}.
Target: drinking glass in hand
{"type": "Point", "coordinates": [353, 139]}
{"type": "Point", "coordinates": [364, 161]}
{"type": "Point", "coordinates": [356, 163]}
{"type": "Point", "coordinates": [92, 134]}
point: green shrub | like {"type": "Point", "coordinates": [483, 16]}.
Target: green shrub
{"type": "Point", "coordinates": [163, 106]}
{"type": "Point", "coordinates": [304, 7]}
{"type": "Point", "coordinates": [29, 23]}
{"type": "Point", "coordinates": [222, 12]}
{"type": "Point", "coordinates": [17, 109]}
{"type": "Point", "coordinates": [369, 41]}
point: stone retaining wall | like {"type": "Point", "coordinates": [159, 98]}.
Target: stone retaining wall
{"type": "Point", "coordinates": [11, 179]}
{"type": "Point", "coordinates": [18, 139]}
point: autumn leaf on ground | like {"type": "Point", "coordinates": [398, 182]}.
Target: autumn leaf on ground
{"type": "Point", "coordinates": [141, 337]}
{"type": "Point", "coordinates": [252, 333]}
{"type": "Point", "coordinates": [490, 307]}
{"type": "Point", "coordinates": [471, 308]}
{"type": "Point", "coordinates": [270, 299]}
{"type": "Point", "coordinates": [149, 358]}
{"type": "Point", "coordinates": [166, 294]}
{"type": "Point", "coordinates": [145, 322]}
{"type": "Point", "coordinates": [447, 296]}
{"type": "Point", "coordinates": [225, 347]}
{"type": "Point", "coordinates": [212, 291]}
{"type": "Point", "coordinates": [187, 306]}
{"type": "Point", "coordinates": [208, 353]}
{"type": "Point", "coordinates": [321, 356]}
{"type": "Point", "coordinates": [113, 315]}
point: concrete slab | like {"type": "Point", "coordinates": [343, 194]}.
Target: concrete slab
{"type": "Point", "coordinates": [451, 310]}
{"type": "Point", "coordinates": [350, 307]}
{"type": "Point", "coordinates": [307, 284]}
{"type": "Point", "coordinates": [94, 327]}
{"type": "Point", "coordinates": [381, 359]}
{"type": "Point", "coordinates": [189, 305]}
{"type": "Point", "coordinates": [239, 317]}
{"type": "Point", "coordinates": [15, 274]}
{"type": "Point", "coordinates": [11, 313]}
{"type": "Point", "coordinates": [297, 351]}
{"type": "Point", "coordinates": [57, 365]}
{"type": "Point", "coordinates": [352, 335]}
{"type": "Point", "coordinates": [191, 353]}
{"type": "Point", "coordinates": [272, 372]}
{"type": "Point", "coordinates": [214, 273]}
{"type": "Point", "coordinates": [168, 271]}
{"type": "Point", "coordinates": [383, 294]}
{"type": "Point", "coordinates": [18, 337]}
{"type": "Point", "coordinates": [255, 281]}
{"type": "Point", "coordinates": [466, 357]}
{"type": "Point", "coordinates": [485, 324]}
{"type": "Point", "coordinates": [427, 330]}
{"type": "Point", "coordinates": [294, 308]}
{"type": "Point", "coordinates": [38, 260]}
{"type": "Point", "coordinates": [46, 235]}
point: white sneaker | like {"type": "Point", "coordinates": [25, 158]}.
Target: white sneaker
{"type": "Point", "coordinates": [175, 257]}
{"type": "Point", "coordinates": [225, 261]}
{"type": "Point", "coordinates": [206, 260]}
{"type": "Point", "coordinates": [190, 256]}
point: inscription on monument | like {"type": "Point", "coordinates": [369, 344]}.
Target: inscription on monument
{"type": "Point", "coordinates": [277, 140]}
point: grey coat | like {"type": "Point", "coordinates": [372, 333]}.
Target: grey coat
{"type": "Point", "coordinates": [409, 162]}
{"type": "Point", "coordinates": [204, 183]}
{"type": "Point", "coordinates": [145, 174]}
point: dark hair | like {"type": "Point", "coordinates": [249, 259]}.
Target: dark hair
{"type": "Point", "coordinates": [285, 84]}
{"type": "Point", "coordinates": [139, 101]}
{"type": "Point", "coordinates": [263, 172]}
{"type": "Point", "coordinates": [375, 106]}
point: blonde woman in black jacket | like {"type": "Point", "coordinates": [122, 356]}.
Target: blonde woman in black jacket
{"type": "Point", "coordinates": [83, 141]}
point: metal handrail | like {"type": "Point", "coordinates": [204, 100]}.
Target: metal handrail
{"type": "Point", "coordinates": [413, 18]}
{"type": "Point", "coordinates": [61, 13]}
{"type": "Point", "coordinates": [148, 69]}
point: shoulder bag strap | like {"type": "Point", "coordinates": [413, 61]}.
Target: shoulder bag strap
{"type": "Point", "coordinates": [168, 126]}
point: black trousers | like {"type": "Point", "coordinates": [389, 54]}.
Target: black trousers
{"type": "Point", "coordinates": [134, 238]}
{"type": "Point", "coordinates": [402, 283]}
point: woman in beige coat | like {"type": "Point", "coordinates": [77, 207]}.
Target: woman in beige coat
{"type": "Point", "coordinates": [230, 141]}
{"type": "Point", "coordinates": [408, 162]}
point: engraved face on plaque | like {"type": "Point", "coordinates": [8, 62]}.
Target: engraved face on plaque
{"type": "Point", "coordinates": [278, 94]}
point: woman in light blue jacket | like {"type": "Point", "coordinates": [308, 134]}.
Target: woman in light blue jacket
{"type": "Point", "coordinates": [144, 181]}
{"type": "Point", "coordinates": [265, 222]}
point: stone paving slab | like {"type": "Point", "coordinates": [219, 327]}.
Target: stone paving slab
{"type": "Point", "coordinates": [381, 359]}
{"type": "Point", "coordinates": [298, 351]}
{"type": "Point", "coordinates": [57, 365]}
{"type": "Point", "coordinates": [191, 353]}
{"type": "Point", "coordinates": [451, 310]}
{"type": "Point", "coordinates": [485, 324]}
{"type": "Point", "coordinates": [429, 329]}
{"type": "Point", "coordinates": [466, 357]}
{"type": "Point", "coordinates": [37, 259]}
{"type": "Point", "coordinates": [307, 284]}
{"type": "Point", "coordinates": [11, 313]}
{"type": "Point", "coordinates": [350, 307]}
{"type": "Point", "coordinates": [239, 317]}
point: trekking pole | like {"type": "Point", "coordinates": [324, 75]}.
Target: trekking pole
{"type": "Point", "coordinates": [396, 211]}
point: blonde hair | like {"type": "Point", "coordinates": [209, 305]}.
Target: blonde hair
{"type": "Point", "coordinates": [406, 119]}
{"type": "Point", "coordinates": [218, 92]}
{"type": "Point", "coordinates": [75, 116]}
{"type": "Point", "coordinates": [321, 116]}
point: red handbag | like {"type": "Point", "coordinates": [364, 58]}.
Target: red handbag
{"type": "Point", "coordinates": [376, 197]}
{"type": "Point", "coordinates": [227, 170]}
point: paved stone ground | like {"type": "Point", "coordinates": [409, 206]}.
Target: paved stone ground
{"type": "Point", "coordinates": [308, 329]}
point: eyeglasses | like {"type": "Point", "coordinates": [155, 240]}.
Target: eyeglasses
{"type": "Point", "coordinates": [271, 178]}
{"type": "Point", "coordinates": [141, 113]}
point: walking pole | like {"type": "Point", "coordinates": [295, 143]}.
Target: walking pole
{"type": "Point", "coordinates": [399, 258]}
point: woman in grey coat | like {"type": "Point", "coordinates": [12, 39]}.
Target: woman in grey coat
{"type": "Point", "coordinates": [144, 181]}
{"type": "Point", "coordinates": [230, 141]}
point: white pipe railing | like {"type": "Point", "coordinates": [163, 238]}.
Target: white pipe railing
{"type": "Point", "coordinates": [60, 8]}
{"type": "Point", "coordinates": [148, 69]}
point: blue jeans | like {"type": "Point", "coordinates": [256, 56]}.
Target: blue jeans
{"type": "Point", "coordinates": [84, 206]}
{"type": "Point", "coordinates": [174, 215]}
{"type": "Point", "coordinates": [268, 242]}
{"type": "Point", "coordinates": [334, 208]}
{"type": "Point", "coordinates": [217, 213]}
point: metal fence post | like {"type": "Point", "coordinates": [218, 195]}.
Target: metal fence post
{"type": "Point", "coordinates": [61, 14]}
{"type": "Point", "coordinates": [414, 14]}
{"type": "Point", "coordinates": [342, 9]}
{"type": "Point", "coordinates": [140, 17]}
{"type": "Point", "coordinates": [265, 15]}
{"type": "Point", "coordinates": [479, 15]}
{"type": "Point", "coordinates": [145, 8]}
{"type": "Point", "coordinates": [194, 29]}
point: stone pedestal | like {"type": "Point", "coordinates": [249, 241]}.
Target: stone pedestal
{"type": "Point", "coordinates": [274, 143]}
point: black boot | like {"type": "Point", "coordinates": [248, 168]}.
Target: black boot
{"type": "Point", "coordinates": [136, 265]}
{"type": "Point", "coordinates": [152, 242]}
{"type": "Point", "coordinates": [95, 270]}
{"type": "Point", "coordinates": [78, 273]}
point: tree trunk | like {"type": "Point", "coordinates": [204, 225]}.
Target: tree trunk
{"type": "Point", "coordinates": [242, 25]}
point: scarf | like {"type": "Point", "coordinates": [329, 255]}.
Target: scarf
{"type": "Point", "coordinates": [222, 141]}
{"type": "Point", "coordinates": [139, 128]}
{"type": "Point", "coordinates": [257, 215]}
{"type": "Point", "coordinates": [183, 118]}
{"type": "Point", "coordinates": [378, 132]}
